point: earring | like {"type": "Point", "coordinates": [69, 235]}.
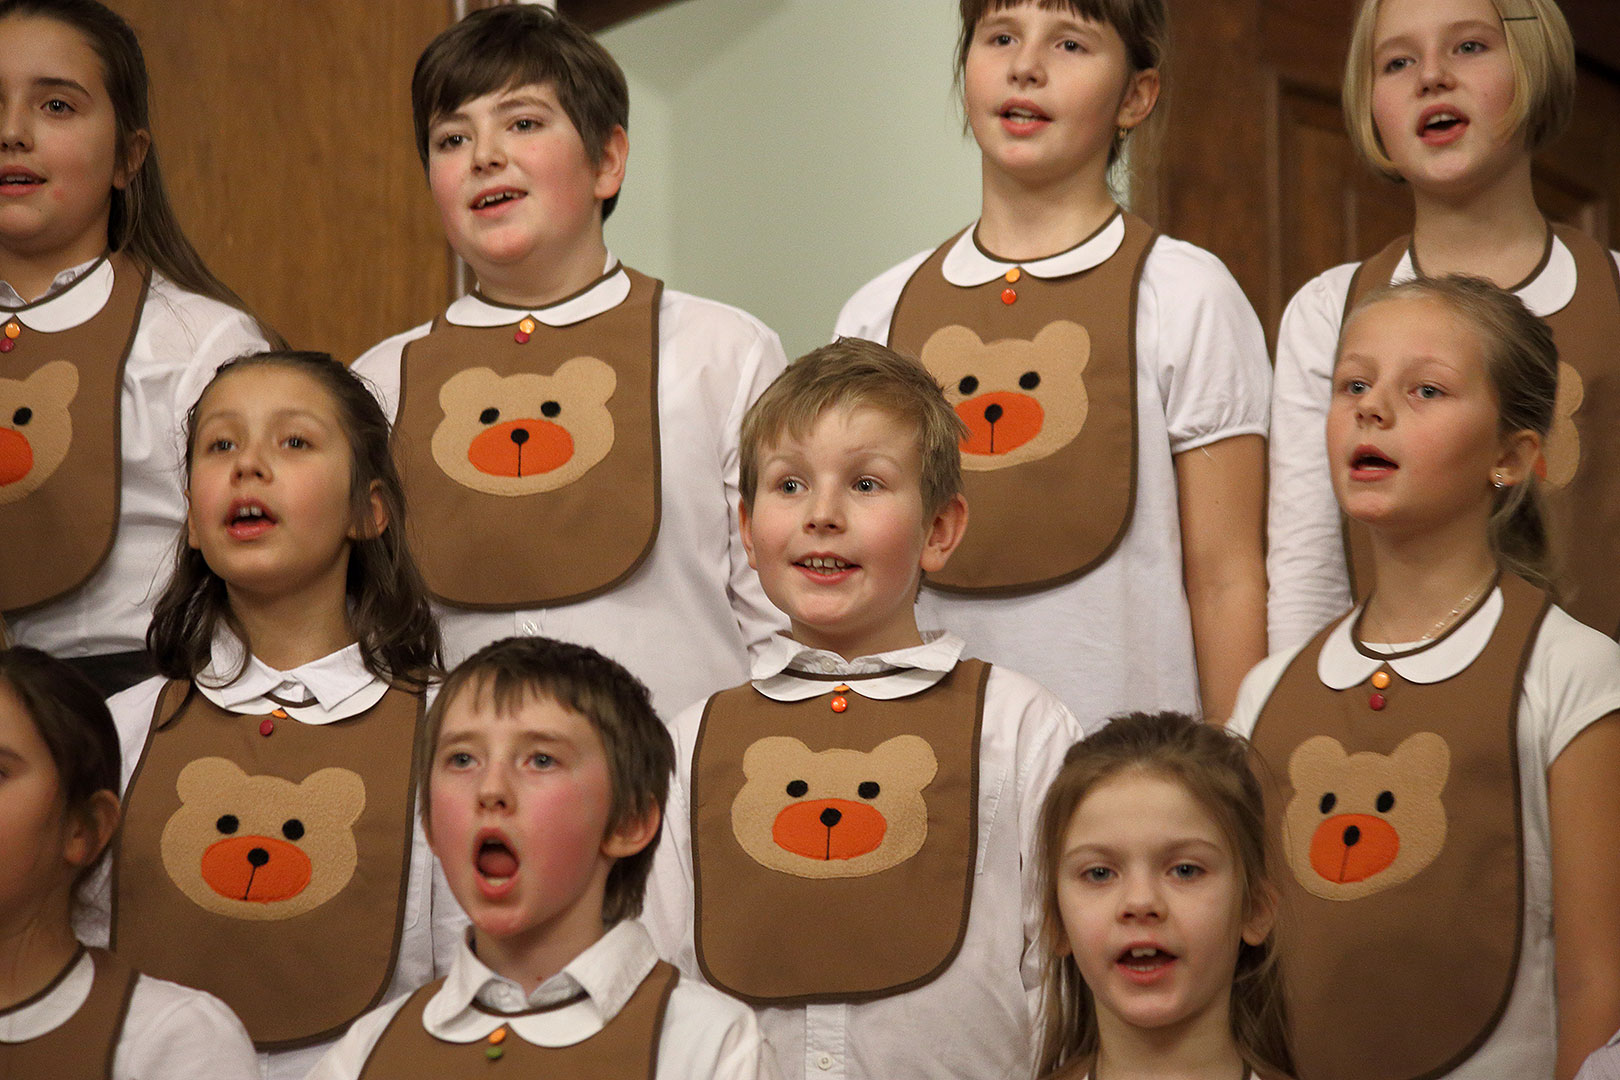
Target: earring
{"type": "Point", "coordinates": [1498, 483]}
{"type": "Point", "coordinates": [1121, 135]}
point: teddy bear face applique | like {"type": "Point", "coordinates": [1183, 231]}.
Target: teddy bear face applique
{"type": "Point", "coordinates": [525, 434]}
{"type": "Point", "coordinates": [261, 847]}
{"type": "Point", "coordinates": [36, 429]}
{"type": "Point", "coordinates": [836, 813]}
{"type": "Point", "coordinates": [1361, 823]}
{"type": "Point", "coordinates": [1021, 400]}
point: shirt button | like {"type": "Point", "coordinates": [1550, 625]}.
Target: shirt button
{"type": "Point", "coordinates": [824, 1062]}
{"type": "Point", "coordinates": [530, 628]}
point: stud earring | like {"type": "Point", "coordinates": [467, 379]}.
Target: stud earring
{"type": "Point", "coordinates": [1497, 482]}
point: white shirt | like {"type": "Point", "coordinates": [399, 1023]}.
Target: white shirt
{"type": "Point", "coordinates": [181, 339]}
{"type": "Point", "coordinates": [977, 1019]}
{"type": "Point", "coordinates": [684, 621]}
{"type": "Point", "coordinates": [1603, 1064]}
{"type": "Point", "coordinates": [170, 1032]}
{"type": "Point", "coordinates": [1120, 637]}
{"type": "Point", "coordinates": [1310, 584]}
{"type": "Point", "coordinates": [705, 1035]}
{"type": "Point", "coordinates": [336, 686]}
{"type": "Point", "coordinates": [1572, 680]}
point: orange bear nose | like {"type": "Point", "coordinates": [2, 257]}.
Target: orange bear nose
{"type": "Point", "coordinates": [16, 456]}
{"type": "Point", "coordinates": [829, 829]}
{"type": "Point", "coordinates": [1353, 847]}
{"type": "Point", "coordinates": [1000, 422]}
{"type": "Point", "coordinates": [258, 868]}
{"type": "Point", "coordinates": [521, 448]}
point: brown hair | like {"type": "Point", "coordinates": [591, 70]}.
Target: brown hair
{"type": "Point", "coordinates": [515, 45]}
{"type": "Point", "coordinates": [388, 604]}
{"type": "Point", "coordinates": [1212, 764]}
{"type": "Point", "coordinates": [852, 373]}
{"type": "Point", "coordinates": [640, 752]}
{"type": "Point", "coordinates": [1522, 364]}
{"type": "Point", "coordinates": [1539, 46]}
{"type": "Point", "coordinates": [142, 223]}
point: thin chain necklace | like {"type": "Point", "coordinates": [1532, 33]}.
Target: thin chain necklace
{"type": "Point", "coordinates": [1449, 617]}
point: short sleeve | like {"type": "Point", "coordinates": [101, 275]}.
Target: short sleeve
{"type": "Point", "coordinates": [178, 1033]}
{"type": "Point", "coordinates": [868, 313]}
{"type": "Point", "coordinates": [1573, 680]}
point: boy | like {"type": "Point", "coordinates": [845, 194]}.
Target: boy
{"type": "Point", "coordinates": [569, 427]}
{"type": "Point", "coordinates": [544, 774]}
{"type": "Point", "coordinates": [848, 845]}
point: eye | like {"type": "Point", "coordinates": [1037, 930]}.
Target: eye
{"type": "Point", "coordinates": [796, 789]}
{"type": "Point", "coordinates": [542, 761]}
{"type": "Point", "coordinates": [489, 416]}
{"type": "Point", "coordinates": [1397, 64]}
{"type": "Point", "coordinates": [1001, 39]}
{"type": "Point", "coordinates": [227, 824]}
{"type": "Point", "coordinates": [1353, 387]}
{"type": "Point", "coordinates": [790, 486]}
{"type": "Point", "coordinates": [1429, 392]}
{"type": "Point", "coordinates": [968, 384]}
{"type": "Point", "coordinates": [550, 409]}
{"type": "Point", "coordinates": [450, 142]}
{"type": "Point", "coordinates": [867, 485]}
{"type": "Point", "coordinates": [868, 789]}
{"type": "Point", "coordinates": [1471, 48]}
{"type": "Point", "coordinates": [58, 106]}
{"type": "Point", "coordinates": [296, 442]}
{"type": "Point", "coordinates": [22, 416]}
{"type": "Point", "coordinates": [1029, 380]}
{"type": "Point", "coordinates": [219, 446]}
{"type": "Point", "coordinates": [1097, 874]}
{"type": "Point", "coordinates": [524, 123]}
{"type": "Point", "coordinates": [1385, 802]}
{"type": "Point", "coordinates": [292, 829]}
{"type": "Point", "coordinates": [459, 759]}
{"type": "Point", "coordinates": [1329, 801]}
{"type": "Point", "coordinates": [1186, 871]}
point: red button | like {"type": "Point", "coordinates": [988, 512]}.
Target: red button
{"type": "Point", "coordinates": [7, 344]}
{"type": "Point", "coordinates": [840, 703]}
{"type": "Point", "coordinates": [1377, 702]}
{"type": "Point", "coordinates": [1009, 295]}
{"type": "Point", "coordinates": [521, 338]}
{"type": "Point", "coordinates": [266, 726]}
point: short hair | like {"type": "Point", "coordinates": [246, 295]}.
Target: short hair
{"type": "Point", "coordinates": [514, 45]}
{"type": "Point", "coordinates": [854, 373]}
{"type": "Point", "coordinates": [618, 706]}
{"type": "Point", "coordinates": [1543, 56]}
{"type": "Point", "coordinates": [1521, 362]}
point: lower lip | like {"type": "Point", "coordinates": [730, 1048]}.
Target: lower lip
{"type": "Point", "coordinates": [496, 890]}
{"type": "Point", "coordinates": [1371, 475]}
{"type": "Point", "coordinates": [1148, 977]}
{"type": "Point", "coordinates": [1013, 126]}
{"type": "Point", "coordinates": [1443, 136]}
{"type": "Point", "coordinates": [821, 577]}
{"type": "Point", "coordinates": [250, 530]}
{"type": "Point", "coordinates": [495, 209]}
{"type": "Point", "coordinates": [15, 190]}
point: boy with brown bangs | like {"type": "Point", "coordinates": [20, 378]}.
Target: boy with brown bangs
{"type": "Point", "coordinates": [544, 775]}
{"type": "Point", "coordinates": [848, 842]}
{"type": "Point", "coordinates": [565, 375]}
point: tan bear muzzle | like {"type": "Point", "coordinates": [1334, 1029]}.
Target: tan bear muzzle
{"type": "Point", "coordinates": [1353, 847]}
{"type": "Point", "coordinates": [829, 829]}
{"type": "Point", "coordinates": [526, 447]}
{"type": "Point", "coordinates": [256, 868]}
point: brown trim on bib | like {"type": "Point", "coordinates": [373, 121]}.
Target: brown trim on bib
{"type": "Point", "coordinates": [70, 1050]}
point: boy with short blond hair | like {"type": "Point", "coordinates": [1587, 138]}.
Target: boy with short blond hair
{"type": "Point", "coordinates": [848, 842]}
{"type": "Point", "coordinates": [543, 773]}
{"type": "Point", "coordinates": [565, 375]}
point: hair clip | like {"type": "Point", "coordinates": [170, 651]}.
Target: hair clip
{"type": "Point", "coordinates": [1520, 18]}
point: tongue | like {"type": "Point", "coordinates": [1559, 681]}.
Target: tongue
{"type": "Point", "coordinates": [496, 862]}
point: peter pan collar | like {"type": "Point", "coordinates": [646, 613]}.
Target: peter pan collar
{"type": "Point", "coordinates": [603, 294]}
{"type": "Point", "coordinates": [967, 264]}
{"type": "Point", "coordinates": [567, 1008]}
{"type": "Point", "coordinates": [335, 687]}
{"type": "Point", "coordinates": [72, 305]}
{"type": "Point", "coordinates": [1342, 665]}
{"type": "Point", "coordinates": [1547, 291]}
{"type": "Point", "coordinates": [785, 670]}
{"type": "Point", "coordinates": [53, 1006]}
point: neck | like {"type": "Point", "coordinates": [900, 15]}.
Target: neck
{"type": "Point", "coordinates": [289, 629]}
{"type": "Point", "coordinates": [1422, 579]}
{"type": "Point", "coordinates": [532, 957]}
{"type": "Point", "coordinates": [854, 647]}
{"type": "Point", "coordinates": [1495, 231]}
{"type": "Point", "coordinates": [1200, 1047]}
{"type": "Point", "coordinates": [1023, 221]}
{"type": "Point", "coordinates": [31, 274]}
{"type": "Point", "coordinates": [540, 281]}
{"type": "Point", "coordinates": [35, 945]}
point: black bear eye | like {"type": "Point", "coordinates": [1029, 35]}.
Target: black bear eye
{"type": "Point", "coordinates": [1029, 380]}
{"type": "Point", "coordinates": [1329, 801]}
{"type": "Point", "coordinates": [1386, 801]}
{"type": "Point", "coordinates": [227, 824]}
{"type": "Point", "coordinates": [489, 416]}
{"type": "Point", "coordinates": [22, 416]}
{"type": "Point", "coordinates": [868, 789]}
{"type": "Point", "coordinates": [550, 409]}
{"type": "Point", "coordinates": [797, 788]}
{"type": "Point", "coordinates": [292, 829]}
{"type": "Point", "coordinates": [968, 384]}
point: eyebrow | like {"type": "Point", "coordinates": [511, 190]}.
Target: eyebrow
{"type": "Point", "coordinates": [53, 82]}
{"type": "Point", "coordinates": [1463, 26]}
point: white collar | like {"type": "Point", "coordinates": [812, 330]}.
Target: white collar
{"type": "Point", "coordinates": [1341, 665]}
{"type": "Point", "coordinates": [335, 687]}
{"type": "Point", "coordinates": [1547, 292]}
{"type": "Point", "coordinates": [603, 294]}
{"type": "Point", "coordinates": [785, 670]}
{"type": "Point", "coordinates": [607, 974]}
{"type": "Point", "coordinates": [967, 264]}
{"type": "Point", "coordinates": [54, 1007]}
{"type": "Point", "coordinates": [74, 304]}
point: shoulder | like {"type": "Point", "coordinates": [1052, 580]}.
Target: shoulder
{"type": "Point", "coordinates": [132, 711]}
{"type": "Point", "coordinates": [707, 1033]}
{"type": "Point", "coordinates": [1189, 273]}
{"type": "Point", "coordinates": [388, 350]}
{"type": "Point", "coordinates": [176, 321]}
{"type": "Point", "coordinates": [685, 319]}
{"type": "Point", "coordinates": [866, 314]}
{"type": "Point", "coordinates": [1257, 686]}
{"type": "Point", "coordinates": [1323, 296]}
{"type": "Point", "coordinates": [1013, 698]}
{"type": "Point", "coordinates": [347, 1057]}
{"type": "Point", "coordinates": [177, 1032]}
{"type": "Point", "coordinates": [1572, 678]}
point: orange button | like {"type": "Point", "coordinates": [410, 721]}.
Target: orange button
{"type": "Point", "coordinates": [1380, 679]}
{"type": "Point", "coordinates": [527, 326]}
{"type": "Point", "coordinates": [840, 703]}
{"type": "Point", "coordinates": [497, 1036]}
{"type": "Point", "coordinates": [280, 714]}
{"type": "Point", "coordinates": [1013, 275]}
{"type": "Point", "coordinates": [12, 330]}
{"type": "Point", "coordinates": [1009, 295]}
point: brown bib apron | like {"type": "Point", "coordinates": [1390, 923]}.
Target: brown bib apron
{"type": "Point", "coordinates": [834, 839]}
{"type": "Point", "coordinates": [531, 457]}
{"type": "Point", "coordinates": [83, 1047]}
{"type": "Point", "coordinates": [1046, 384]}
{"type": "Point", "coordinates": [269, 869]}
{"type": "Point", "coordinates": [60, 464]}
{"type": "Point", "coordinates": [1582, 491]}
{"type": "Point", "coordinates": [626, 1048]}
{"type": "Point", "coordinates": [1398, 810]}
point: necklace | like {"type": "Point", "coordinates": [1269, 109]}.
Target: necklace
{"type": "Point", "coordinates": [1451, 616]}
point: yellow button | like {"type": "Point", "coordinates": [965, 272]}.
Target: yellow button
{"type": "Point", "coordinates": [527, 326]}
{"type": "Point", "coordinates": [1380, 679]}
{"type": "Point", "coordinates": [12, 330]}
{"type": "Point", "coordinates": [1013, 275]}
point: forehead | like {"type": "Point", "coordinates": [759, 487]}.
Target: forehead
{"type": "Point", "coordinates": [1412, 17]}
{"type": "Point", "coordinates": [38, 47]}
{"type": "Point", "coordinates": [510, 92]}
{"type": "Point", "coordinates": [19, 732]}
{"type": "Point", "coordinates": [527, 712]}
{"type": "Point", "coordinates": [1141, 809]}
{"type": "Point", "coordinates": [1405, 325]}
{"type": "Point", "coordinates": [846, 429]}
{"type": "Point", "coordinates": [259, 389]}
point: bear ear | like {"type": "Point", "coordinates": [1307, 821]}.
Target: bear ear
{"type": "Point", "coordinates": [950, 347]}
{"type": "Point", "coordinates": [1065, 338]}
{"type": "Point", "coordinates": [589, 377]}
{"type": "Point", "coordinates": [338, 793]}
{"type": "Point", "coordinates": [1424, 761]}
{"type": "Point", "coordinates": [466, 387]}
{"type": "Point", "coordinates": [1316, 762]}
{"type": "Point", "coordinates": [55, 385]}
{"type": "Point", "coordinates": [775, 753]}
{"type": "Point", "coordinates": [209, 780]}
{"type": "Point", "coordinates": [906, 759]}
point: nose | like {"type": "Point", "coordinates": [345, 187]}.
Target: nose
{"type": "Point", "coordinates": [826, 512]}
{"type": "Point", "coordinates": [1371, 408]}
{"type": "Point", "coordinates": [1142, 901]}
{"type": "Point", "coordinates": [251, 462]}
{"type": "Point", "coordinates": [14, 128]}
{"type": "Point", "coordinates": [1434, 71]}
{"type": "Point", "coordinates": [494, 789]}
{"type": "Point", "coordinates": [489, 153]}
{"type": "Point", "coordinates": [831, 817]}
{"type": "Point", "coordinates": [1028, 65]}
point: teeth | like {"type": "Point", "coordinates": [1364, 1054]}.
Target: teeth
{"type": "Point", "coordinates": [491, 200]}
{"type": "Point", "coordinates": [1442, 118]}
{"type": "Point", "coordinates": [247, 512]}
{"type": "Point", "coordinates": [1021, 114]}
{"type": "Point", "coordinates": [820, 563]}
{"type": "Point", "coordinates": [1142, 954]}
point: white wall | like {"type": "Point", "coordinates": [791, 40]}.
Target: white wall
{"type": "Point", "coordinates": [785, 151]}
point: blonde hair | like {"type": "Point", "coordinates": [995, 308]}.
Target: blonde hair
{"type": "Point", "coordinates": [853, 373]}
{"type": "Point", "coordinates": [1212, 764]}
{"type": "Point", "coordinates": [1543, 56]}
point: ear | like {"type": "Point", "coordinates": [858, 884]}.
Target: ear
{"type": "Point", "coordinates": [1520, 449]}
{"type": "Point", "coordinates": [1141, 94]}
{"type": "Point", "coordinates": [944, 534]}
{"type": "Point", "coordinates": [610, 170]}
{"type": "Point", "coordinates": [90, 830]}
{"type": "Point", "coordinates": [139, 143]}
{"type": "Point", "coordinates": [746, 530]}
{"type": "Point", "coordinates": [628, 837]}
{"type": "Point", "coordinates": [1262, 914]}
{"type": "Point", "coordinates": [191, 526]}
{"type": "Point", "coordinates": [376, 522]}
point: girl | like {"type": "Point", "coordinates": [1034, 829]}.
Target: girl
{"type": "Point", "coordinates": [109, 325]}
{"type": "Point", "coordinates": [1114, 383]}
{"type": "Point", "coordinates": [270, 852]}
{"type": "Point", "coordinates": [66, 1011]}
{"type": "Point", "coordinates": [1449, 748]}
{"type": "Point", "coordinates": [1158, 909]}
{"type": "Point", "coordinates": [1452, 98]}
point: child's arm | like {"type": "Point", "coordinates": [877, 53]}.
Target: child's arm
{"type": "Point", "coordinates": [1221, 488]}
{"type": "Point", "coordinates": [1583, 803]}
{"type": "Point", "coordinates": [667, 911]}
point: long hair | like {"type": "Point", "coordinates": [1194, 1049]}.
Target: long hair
{"type": "Point", "coordinates": [1213, 766]}
{"type": "Point", "coordinates": [388, 601]}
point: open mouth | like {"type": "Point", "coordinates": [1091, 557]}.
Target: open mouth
{"type": "Point", "coordinates": [1441, 125]}
{"type": "Point", "coordinates": [248, 518]}
{"type": "Point", "coordinates": [495, 198]}
{"type": "Point", "coordinates": [1370, 460]}
{"type": "Point", "coordinates": [825, 565]}
{"type": "Point", "coordinates": [1145, 959]}
{"type": "Point", "coordinates": [16, 179]}
{"type": "Point", "coordinates": [496, 861]}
